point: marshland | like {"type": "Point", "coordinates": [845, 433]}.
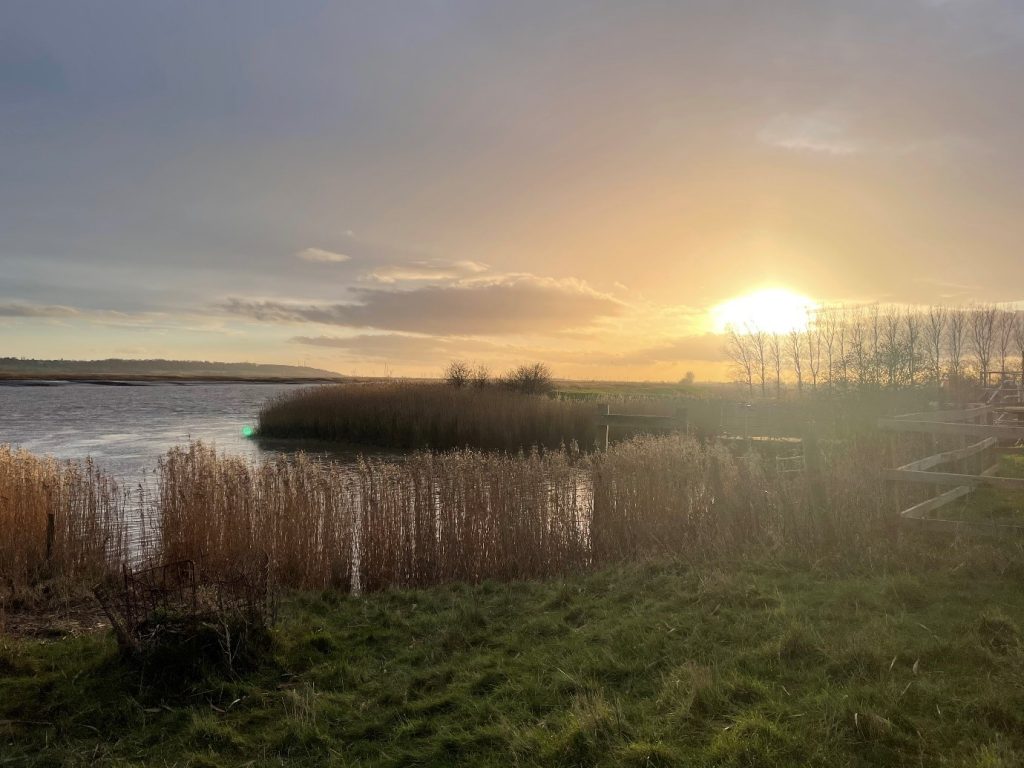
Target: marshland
{"type": "Point", "coordinates": [671, 598]}
{"type": "Point", "coordinates": [584, 384]}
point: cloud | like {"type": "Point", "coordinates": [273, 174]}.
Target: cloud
{"type": "Point", "coordinates": [321, 256]}
{"type": "Point", "coordinates": [510, 304]}
{"type": "Point", "coordinates": [410, 349]}
{"type": "Point", "coordinates": [818, 132]}
{"type": "Point", "coordinates": [20, 309]}
{"type": "Point", "coordinates": [705, 347]}
{"type": "Point", "coordinates": [429, 270]}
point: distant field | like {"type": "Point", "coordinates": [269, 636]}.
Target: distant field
{"type": "Point", "coordinates": [617, 389]}
{"type": "Point", "coordinates": [737, 664]}
{"type": "Point", "coordinates": [13, 369]}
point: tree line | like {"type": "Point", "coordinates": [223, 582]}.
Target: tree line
{"type": "Point", "coordinates": [879, 347]}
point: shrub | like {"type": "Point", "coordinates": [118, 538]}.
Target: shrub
{"type": "Point", "coordinates": [458, 373]}
{"type": "Point", "coordinates": [533, 379]}
{"type": "Point", "coordinates": [179, 621]}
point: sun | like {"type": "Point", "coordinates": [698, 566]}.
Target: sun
{"type": "Point", "coordinates": [774, 310]}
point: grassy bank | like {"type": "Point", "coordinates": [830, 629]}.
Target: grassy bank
{"type": "Point", "coordinates": [915, 659]}
{"type": "Point", "coordinates": [434, 416]}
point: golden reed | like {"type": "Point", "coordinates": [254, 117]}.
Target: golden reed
{"type": "Point", "coordinates": [439, 517]}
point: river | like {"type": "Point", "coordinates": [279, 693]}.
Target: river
{"type": "Point", "coordinates": [126, 428]}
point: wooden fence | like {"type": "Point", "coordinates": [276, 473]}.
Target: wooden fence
{"type": "Point", "coordinates": [987, 422]}
{"type": "Point", "coordinates": [644, 423]}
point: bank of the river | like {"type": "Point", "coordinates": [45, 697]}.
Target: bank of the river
{"type": "Point", "coordinates": [658, 665]}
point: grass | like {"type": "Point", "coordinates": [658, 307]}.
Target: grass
{"type": "Point", "coordinates": [990, 504]}
{"type": "Point", "coordinates": [914, 659]}
{"type": "Point", "coordinates": [428, 416]}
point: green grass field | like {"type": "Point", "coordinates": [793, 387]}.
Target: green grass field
{"type": "Point", "coordinates": [652, 665]}
{"type": "Point", "coordinates": [992, 504]}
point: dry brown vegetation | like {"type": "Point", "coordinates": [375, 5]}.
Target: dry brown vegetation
{"type": "Point", "coordinates": [59, 520]}
{"type": "Point", "coordinates": [456, 516]}
{"type": "Point", "coordinates": [434, 416]}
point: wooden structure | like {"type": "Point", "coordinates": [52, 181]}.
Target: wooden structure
{"type": "Point", "coordinates": [990, 425]}
{"type": "Point", "coordinates": [641, 422]}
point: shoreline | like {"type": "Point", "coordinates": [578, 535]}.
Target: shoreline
{"type": "Point", "coordinates": [129, 380]}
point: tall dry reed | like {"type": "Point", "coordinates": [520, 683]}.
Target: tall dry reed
{"type": "Point", "coordinates": [58, 520]}
{"type": "Point", "coordinates": [225, 511]}
{"type": "Point", "coordinates": [470, 515]}
{"type": "Point", "coordinates": [456, 516]}
{"type": "Point", "coordinates": [434, 416]}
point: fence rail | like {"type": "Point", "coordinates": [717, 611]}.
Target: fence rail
{"type": "Point", "coordinates": [971, 422]}
{"type": "Point", "coordinates": [605, 418]}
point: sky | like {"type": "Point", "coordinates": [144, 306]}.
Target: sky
{"type": "Point", "coordinates": [377, 187]}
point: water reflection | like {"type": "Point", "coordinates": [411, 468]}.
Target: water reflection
{"type": "Point", "coordinates": [126, 429]}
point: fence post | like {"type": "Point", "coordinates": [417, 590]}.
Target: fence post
{"type": "Point", "coordinates": [812, 466]}
{"type": "Point", "coordinates": [50, 526]}
{"type": "Point", "coordinates": [603, 410]}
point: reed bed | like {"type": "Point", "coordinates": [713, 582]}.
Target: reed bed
{"type": "Point", "coordinates": [62, 520]}
{"type": "Point", "coordinates": [469, 515]}
{"type": "Point", "coordinates": [428, 416]}
{"type": "Point", "coordinates": [456, 516]}
{"type": "Point", "coordinates": [472, 515]}
{"type": "Point", "coordinates": [225, 512]}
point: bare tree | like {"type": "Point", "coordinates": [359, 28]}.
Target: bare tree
{"type": "Point", "coordinates": [956, 339]}
{"type": "Point", "coordinates": [858, 344]}
{"type": "Point", "coordinates": [775, 357]}
{"type": "Point", "coordinates": [828, 324]}
{"type": "Point", "coordinates": [457, 373]}
{"type": "Point", "coordinates": [759, 345]}
{"type": "Point", "coordinates": [813, 350]}
{"type": "Point", "coordinates": [912, 342]}
{"type": "Point", "coordinates": [842, 339]}
{"type": "Point", "coordinates": [795, 348]}
{"type": "Point", "coordinates": [934, 335]}
{"type": "Point", "coordinates": [740, 352]}
{"type": "Point", "coordinates": [981, 327]}
{"type": "Point", "coordinates": [531, 379]}
{"type": "Point", "coordinates": [892, 348]}
{"type": "Point", "coordinates": [876, 347]}
{"type": "Point", "coordinates": [480, 376]}
{"type": "Point", "coordinates": [1018, 338]}
{"type": "Point", "coordinates": [1005, 325]}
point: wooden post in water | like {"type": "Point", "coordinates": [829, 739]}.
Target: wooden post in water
{"type": "Point", "coordinates": [603, 410]}
{"type": "Point", "coordinates": [50, 525]}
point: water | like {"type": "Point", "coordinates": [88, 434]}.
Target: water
{"type": "Point", "coordinates": [125, 429]}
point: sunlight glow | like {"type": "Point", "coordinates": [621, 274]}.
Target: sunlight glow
{"type": "Point", "coordinates": [775, 310]}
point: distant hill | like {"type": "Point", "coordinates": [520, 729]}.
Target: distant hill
{"type": "Point", "coordinates": [15, 368]}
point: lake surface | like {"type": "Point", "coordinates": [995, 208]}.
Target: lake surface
{"type": "Point", "coordinates": [125, 429]}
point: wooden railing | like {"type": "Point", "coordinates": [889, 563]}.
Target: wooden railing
{"type": "Point", "coordinates": [972, 422]}
{"type": "Point", "coordinates": [607, 419]}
